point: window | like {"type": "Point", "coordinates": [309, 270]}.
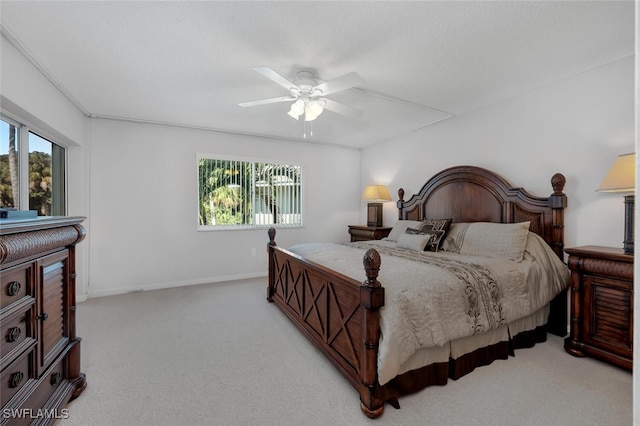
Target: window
{"type": "Point", "coordinates": [9, 166]}
{"type": "Point", "coordinates": [237, 194]}
{"type": "Point", "coordinates": [32, 171]}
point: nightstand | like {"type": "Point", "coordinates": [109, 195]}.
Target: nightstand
{"type": "Point", "coordinates": [601, 304]}
{"type": "Point", "coordinates": [365, 233]}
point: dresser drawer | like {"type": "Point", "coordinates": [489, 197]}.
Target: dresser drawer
{"type": "Point", "coordinates": [47, 385]}
{"type": "Point", "coordinates": [16, 330]}
{"type": "Point", "coordinates": [16, 284]}
{"type": "Point", "coordinates": [17, 375]}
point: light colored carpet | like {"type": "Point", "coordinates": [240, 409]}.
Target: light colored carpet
{"type": "Point", "coordinates": [221, 354]}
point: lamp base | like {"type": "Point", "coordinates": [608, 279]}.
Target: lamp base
{"type": "Point", "coordinates": [374, 214]}
{"type": "Point", "coordinates": [629, 212]}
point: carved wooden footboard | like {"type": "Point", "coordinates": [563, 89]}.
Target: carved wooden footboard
{"type": "Point", "coordinates": [337, 313]}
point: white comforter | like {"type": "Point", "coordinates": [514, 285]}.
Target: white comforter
{"type": "Point", "coordinates": [432, 302]}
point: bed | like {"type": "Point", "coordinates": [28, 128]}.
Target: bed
{"type": "Point", "coordinates": [348, 307]}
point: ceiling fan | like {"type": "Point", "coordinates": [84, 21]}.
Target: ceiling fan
{"type": "Point", "coordinates": [308, 93]}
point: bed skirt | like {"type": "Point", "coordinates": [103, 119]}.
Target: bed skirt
{"type": "Point", "coordinates": [439, 373]}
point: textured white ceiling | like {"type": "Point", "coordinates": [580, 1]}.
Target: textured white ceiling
{"type": "Point", "coordinates": [190, 63]}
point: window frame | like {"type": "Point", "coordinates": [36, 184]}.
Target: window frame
{"type": "Point", "coordinates": [242, 227]}
{"type": "Point", "coordinates": [24, 128]}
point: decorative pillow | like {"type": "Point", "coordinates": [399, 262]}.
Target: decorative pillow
{"type": "Point", "coordinates": [504, 240]}
{"type": "Point", "coordinates": [434, 240]}
{"type": "Point", "coordinates": [415, 242]}
{"type": "Point", "coordinates": [400, 228]}
{"type": "Point", "coordinates": [413, 231]}
{"type": "Point", "coordinates": [436, 225]}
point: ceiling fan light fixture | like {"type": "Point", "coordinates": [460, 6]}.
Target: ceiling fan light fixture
{"type": "Point", "coordinates": [312, 110]}
{"type": "Point", "coordinates": [293, 115]}
{"type": "Point", "coordinates": [308, 93]}
{"type": "Point", "coordinates": [297, 109]}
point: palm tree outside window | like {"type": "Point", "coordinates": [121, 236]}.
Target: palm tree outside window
{"type": "Point", "coordinates": [239, 194]}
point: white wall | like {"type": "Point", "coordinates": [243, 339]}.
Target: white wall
{"type": "Point", "coordinates": [28, 91]}
{"type": "Point", "coordinates": [576, 126]}
{"type": "Point", "coordinates": [144, 205]}
{"type": "Point", "coordinates": [29, 97]}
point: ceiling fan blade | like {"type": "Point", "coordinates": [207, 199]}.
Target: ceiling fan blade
{"type": "Point", "coordinates": [341, 108]}
{"type": "Point", "coordinates": [344, 82]}
{"type": "Point", "coordinates": [275, 77]}
{"type": "Point", "coordinates": [266, 101]}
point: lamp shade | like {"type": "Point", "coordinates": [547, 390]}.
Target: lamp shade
{"type": "Point", "coordinates": [621, 176]}
{"type": "Point", "coordinates": [376, 193]}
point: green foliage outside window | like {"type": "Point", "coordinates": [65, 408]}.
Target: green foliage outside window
{"type": "Point", "coordinates": [45, 180]}
{"type": "Point", "coordinates": [242, 194]}
{"type": "Point", "coordinates": [39, 183]}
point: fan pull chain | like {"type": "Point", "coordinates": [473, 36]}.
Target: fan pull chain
{"type": "Point", "coordinates": [304, 133]}
{"type": "Point", "coordinates": [310, 127]}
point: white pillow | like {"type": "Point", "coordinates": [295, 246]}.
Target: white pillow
{"type": "Point", "coordinates": [505, 240]}
{"type": "Point", "coordinates": [415, 242]}
{"type": "Point", "coordinates": [400, 228]}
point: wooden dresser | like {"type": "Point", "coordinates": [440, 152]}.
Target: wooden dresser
{"type": "Point", "coordinates": [601, 304]}
{"type": "Point", "coordinates": [39, 352]}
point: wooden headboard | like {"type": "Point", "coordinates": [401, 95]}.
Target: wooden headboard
{"type": "Point", "coordinates": [474, 194]}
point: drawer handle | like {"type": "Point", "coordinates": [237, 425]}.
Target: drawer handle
{"type": "Point", "coordinates": [43, 316]}
{"type": "Point", "coordinates": [13, 334]}
{"type": "Point", "coordinates": [13, 288]}
{"type": "Point", "coordinates": [16, 379]}
{"type": "Point", "coordinates": [56, 378]}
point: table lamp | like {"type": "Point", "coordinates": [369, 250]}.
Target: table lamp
{"type": "Point", "coordinates": [375, 195]}
{"type": "Point", "coordinates": [622, 178]}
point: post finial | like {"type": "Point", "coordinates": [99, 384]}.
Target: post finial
{"type": "Point", "coordinates": [272, 236]}
{"type": "Point", "coordinates": [557, 183]}
{"type": "Point", "coordinates": [399, 202]}
{"type": "Point", "coordinates": [371, 261]}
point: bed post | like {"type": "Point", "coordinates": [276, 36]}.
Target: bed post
{"type": "Point", "coordinates": [270, 245]}
{"type": "Point", "coordinates": [558, 202]}
{"type": "Point", "coordinates": [399, 203]}
{"type": "Point", "coordinates": [558, 317]}
{"type": "Point", "coordinates": [371, 299]}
